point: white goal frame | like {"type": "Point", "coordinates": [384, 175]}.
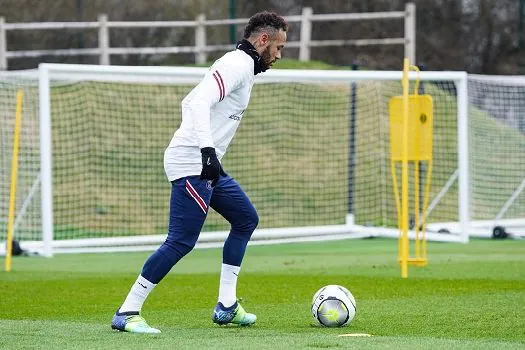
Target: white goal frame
{"type": "Point", "coordinates": [189, 75]}
{"type": "Point", "coordinates": [170, 75]}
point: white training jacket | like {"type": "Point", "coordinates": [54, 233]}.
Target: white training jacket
{"type": "Point", "coordinates": [211, 114]}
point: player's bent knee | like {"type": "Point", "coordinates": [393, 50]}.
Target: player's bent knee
{"type": "Point", "coordinates": [254, 220]}
{"type": "Point", "coordinates": [178, 248]}
{"type": "Point", "coordinates": [249, 224]}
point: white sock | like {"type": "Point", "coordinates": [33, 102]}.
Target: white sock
{"type": "Point", "coordinates": [137, 295]}
{"type": "Point", "coordinates": [228, 285]}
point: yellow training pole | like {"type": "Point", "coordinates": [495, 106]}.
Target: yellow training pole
{"type": "Point", "coordinates": [404, 175]}
{"type": "Point", "coordinates": [425, 205]}
{"type": "Point", "coordinates": [398, 206]}
{"type": "Point", "coordinates": [417, 232]}
{"type": "Point", "coordinates": [14, 169]}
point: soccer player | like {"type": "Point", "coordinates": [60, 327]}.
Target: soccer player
{"type": "Point", "coordinates": [211, 114]}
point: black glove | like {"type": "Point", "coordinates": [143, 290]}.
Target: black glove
{"type": "Point", "coordinates": [211, 167]}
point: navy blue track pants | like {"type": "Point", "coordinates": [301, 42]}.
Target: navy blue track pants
{"type": "Point", "coordinates": [190, 201]}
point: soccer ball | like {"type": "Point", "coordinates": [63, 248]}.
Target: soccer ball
{"type": "Point", "coordinates": [333, 306]}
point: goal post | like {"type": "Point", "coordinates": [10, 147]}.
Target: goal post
{"type": "Point", "coordinates": [103, 131]}
{"type": "Point", "coordinates": [46, 160]}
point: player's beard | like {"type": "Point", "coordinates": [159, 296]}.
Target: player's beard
{"type": "Point", "coordinates": [266, 59]}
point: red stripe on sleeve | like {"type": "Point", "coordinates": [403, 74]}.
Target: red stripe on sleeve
{"type": "Point", "coordinates": [222, 84]}
{"type": "Point", "coordinates": [221, 90]}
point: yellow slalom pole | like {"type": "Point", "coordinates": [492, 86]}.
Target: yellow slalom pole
{"type": "Point", "coordinates": [417, 239]}
{"type": "Point", "coordinates": [14, 170]}
{"type": "Point", "coordinates": [404, 175]}
{"type": "Point", "coordinates": [417, 231]}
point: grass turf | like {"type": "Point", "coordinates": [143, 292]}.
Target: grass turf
{"type": "Point", "coordinates": [470, 296]}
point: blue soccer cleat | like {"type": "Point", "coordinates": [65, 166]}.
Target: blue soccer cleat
{"type": "Point", "coordinates": [234, 314]}
{"type": "Point", "coordinates": [131, 322]}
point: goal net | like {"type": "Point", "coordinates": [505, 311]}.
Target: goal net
{"type": "Point", "coordinates": [27, 223]}
{"type": "Point", "coordinates": [497, 138]}
{"type": "Point", "coordinates": [496, 163]}
{"type": "Point", "coordinates": [312, 152]}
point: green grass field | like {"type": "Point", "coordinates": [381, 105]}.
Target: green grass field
{"type": "Point", "coordinates": [469, 297]}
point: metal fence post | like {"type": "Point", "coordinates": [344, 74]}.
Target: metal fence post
{"type": "Point", "coordinates": [410, 32]}
{"type": "Point", "coordinates": [3, 45]}
{"type": "Point", "coordinates": [306, 34]}
{"type": "Point", "coordinates": [200, 40]}
{"type": "Point", "coordinates": [103, 39]}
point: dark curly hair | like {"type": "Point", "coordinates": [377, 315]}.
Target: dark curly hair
{"type": "Point", "coordinates": [264, 20]}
